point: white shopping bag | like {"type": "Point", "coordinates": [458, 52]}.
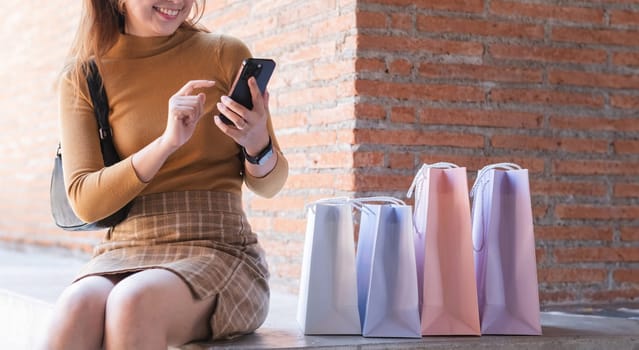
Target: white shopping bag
{"type": "Point", "coordinates": [327, 301]}
{"type": "Point", "coordinates": [386, 270]}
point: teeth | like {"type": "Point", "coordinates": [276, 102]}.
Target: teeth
{"type": "Point", "coordinates": [168, 12]}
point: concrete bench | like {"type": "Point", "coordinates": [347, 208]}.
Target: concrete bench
{"type": "Point", "coordinates": [31, 281]}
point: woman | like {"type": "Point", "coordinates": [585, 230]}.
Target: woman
{"type": "Point", "coordinates": [184, 265]}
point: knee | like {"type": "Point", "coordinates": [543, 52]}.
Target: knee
{"type": "Point", "coordinates": [129, 307]}
{"type": "Point", "coordinates": [82, 300]}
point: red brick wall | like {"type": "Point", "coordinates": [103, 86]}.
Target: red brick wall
{"type": "Point", "coordinates": [365, 91]}
{"type": "Point", "coordinates": [550, 86]}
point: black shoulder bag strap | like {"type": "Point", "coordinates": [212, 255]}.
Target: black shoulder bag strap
{"type": "Point", "coordinates": [101, 108]}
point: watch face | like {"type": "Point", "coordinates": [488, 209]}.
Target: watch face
{"type": "Point", "coordinates": [265, 157]}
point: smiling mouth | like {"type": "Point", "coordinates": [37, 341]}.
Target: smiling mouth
{"type": "Point", "coordinates": [167, 11]}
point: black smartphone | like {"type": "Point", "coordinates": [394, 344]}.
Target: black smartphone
{"type": "Point", "coordinates": [261, 69]}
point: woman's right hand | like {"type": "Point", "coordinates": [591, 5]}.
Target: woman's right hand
{"type": "Point", "coordinates": [185, 110]}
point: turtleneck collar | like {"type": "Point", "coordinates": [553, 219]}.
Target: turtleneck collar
{"type": "Point", "coordinates": [131, 46]}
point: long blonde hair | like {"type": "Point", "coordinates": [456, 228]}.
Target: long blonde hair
{"type": "Point", "coordinates": [101, 22]}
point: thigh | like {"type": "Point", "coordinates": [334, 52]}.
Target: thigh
{"type": "Point", "coordinates": [160, 299]}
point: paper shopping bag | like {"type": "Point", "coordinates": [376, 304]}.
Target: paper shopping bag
{"type": "Point", "coordinates": [444, 252]}
{"type": "Point", "coordinates": [386, 271]}
{"type": "Point", "coordinates": [327, 301]}
{"type": "Point", "coordinates": [506, 268]}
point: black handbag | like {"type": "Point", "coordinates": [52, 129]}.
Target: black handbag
{"type": "Point", "coordinates": [63, 215]}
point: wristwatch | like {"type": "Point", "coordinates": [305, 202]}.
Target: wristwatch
{"type": "Point", "coordinates": [261, 157]}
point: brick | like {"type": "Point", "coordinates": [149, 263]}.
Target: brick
{"type": "Point", "coordinates": [547, 54]}
{"type": "Point", "coordinates": [332, 70]}
{"type": "Point", "coordinates": [626, 190]}
{"type": "Point", "coordinates": [624, 101]}
{"type": "Point", "coordinates": [596, 36]}
{"type": "Point", "coordinates": [595, 167]}
{"type": "Point", "coordinates": [371, 19]}
{"type": "Point", "coordinates": [283, 203]}
{"type": "Point", "coordinates": [570, 275]}
{"type": "Point", "coordinates": [539, 143]}
{"type": "Point", "coordinates": [368, 159]}
{"type": "Point", "coordinates": [414, 137]}
{"type": "Point", "coordinates": [344, 182]}
{"type": "Point", "coordinates": [476, 162]}
{"type": "Point", "coordinates": [502, 29]}
{"type": "Point", "coordinates": [594, 123]}
{"type": "Point", "coordinates": [465, 6]}
{"type": "Point", "coordinates": [546, 12]}
{"type": "Point", "coordinates": [597, 254]}
{"type": "Point", "coordinates": [401, 21]}
{"type": "Point", "coordinates": [382, 182]}
{"type": "Point", "coordinates": [456, 93]}
{"type": "Point", "coordinates": [630, 59]}
{"type": "Point", "coordinates": [573, 233]}
{"type": "Point", "coordinates": [370, 65]}
{"type": "Point", "coordinates": [627, 146]}
{"type": "Point", "coordinates": [403, 115]}
{"type": "Point", "coordinates": [624, 18]}
{"type": "Point", "coordinates": [481, 72]}
{"type": "Point", "coordinates": [400, 67]}
{"type": "Point", "coordinates": [330, 114]}
{"type": "Point", "coordinates": [564, 188]}
{"type": "Point", "coordinates": [626, 276]}
{"type": "Point", "coordinates": [409, 45]}
{"type": "Point", "coordinates": [611, 296]}
{"type": "Point", "coordinates": [546, 97]}
{"type": "Point", "coordinates": [577, 78]}
{"type": "Point", "coordinates": [558, 297]}
{"type": "Point", "coordinates": [630, 233]}
{"type": "Point", "coordinates": [288, 226]}
{"type": "Point", "coordinates": [370, 111]}
{"type": "Point", "coordinates": [475, 117]}
{"type": "Point", "coordinates": [540, 255]}
{"type": "Point", "coordinates": [401, 161]}
{"type": "Point", "coordinates": [585, 211]}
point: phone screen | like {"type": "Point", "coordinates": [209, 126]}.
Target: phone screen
{"type": "Point", "coordinates": [261, 69]}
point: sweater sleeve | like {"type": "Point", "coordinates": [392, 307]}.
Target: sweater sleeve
{"type": "Point", "coordinates": [94, 191]}
{"type": "Point", "coordinates": [232, 54]}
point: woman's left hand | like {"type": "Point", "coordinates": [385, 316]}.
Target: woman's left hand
{"type": "Point", "coordinates": [249, 127]}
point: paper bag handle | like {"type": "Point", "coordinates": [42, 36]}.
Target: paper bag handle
{"type": "Point", "coordinates": [479, 184]}
{"type": "Point", "coordinates": [420, 177]}
{"type": "Point", "coordinates": [483, 171]}
{"type": "Point", "coordinates": [419, 180]}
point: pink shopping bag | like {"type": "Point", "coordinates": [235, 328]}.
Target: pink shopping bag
{"type": "Point", "coordinates": [444, 252]}
{"type": "Point", "coordinates": [506, 268]}
{"type": "Point", "coordinates": [327, 302]}
{"type": "Point", "coordinates": [386, 271]}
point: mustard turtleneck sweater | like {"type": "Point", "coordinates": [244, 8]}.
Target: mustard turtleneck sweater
{"type": "Point", "coordinates": [140, 75]}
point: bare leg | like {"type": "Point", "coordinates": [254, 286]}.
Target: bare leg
{"type": "Point", "coordinates": [78, 316]}
{"type": "Point", "coordinates": [153, 309]}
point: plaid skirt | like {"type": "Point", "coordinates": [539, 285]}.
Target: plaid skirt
{"type": "Point", "coordinates": [204, 238]}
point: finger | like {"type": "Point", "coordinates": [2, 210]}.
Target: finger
{"type": "Point", "coordinates": [256, 95]}
{"type": "Point", "coordinates": [238, 121]}
{"type": "Point", "coordinates": [233, 106]}
{"type": "Point", "coordinates": [188, 88]}
{"type": "Point", "coordinates": [227, 129]}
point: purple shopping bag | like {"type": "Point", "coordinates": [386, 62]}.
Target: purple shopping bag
{"type": "Point", "coordinates": [386, 271]}
{"type": "Point", "coordinates": [504, 242]}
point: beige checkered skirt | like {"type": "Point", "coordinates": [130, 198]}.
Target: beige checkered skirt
{"type": "Point", "coordinates": [203, 237]}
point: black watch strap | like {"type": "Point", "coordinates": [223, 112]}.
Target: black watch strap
{"type": "Point", "coordinates": [261, 157]}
